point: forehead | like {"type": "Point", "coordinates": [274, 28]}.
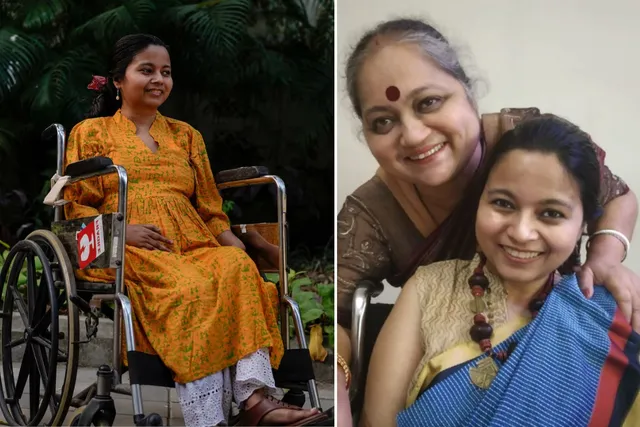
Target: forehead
{"type": "Point", "coordinates": [402, 65]}
{"type": "Point", "coordinates": [534, 176]}
{"type": "Point", "coordinates": [156, 55]}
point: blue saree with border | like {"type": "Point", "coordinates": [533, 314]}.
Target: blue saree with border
{"type": "Point", "coordinates": [575, 364]}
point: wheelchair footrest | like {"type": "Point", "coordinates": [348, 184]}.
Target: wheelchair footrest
{"type": "Point", "coordinates": [294, 371]}
{"type": "Point", "coordinates": [295, 368]}
{"type": "Point", "coordinates": [302, 385]}
{"type": "Point", "coordinates": [148, 369]}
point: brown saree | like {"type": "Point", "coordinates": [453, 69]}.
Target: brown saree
{"type": "Point", "coordinates": [381, 226]}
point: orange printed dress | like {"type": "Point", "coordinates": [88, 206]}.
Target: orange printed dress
{"type": "Point", "coordinates": [202, 306]}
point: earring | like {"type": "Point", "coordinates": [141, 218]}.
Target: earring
{"type": "Point", "coordinates": [117, 94]}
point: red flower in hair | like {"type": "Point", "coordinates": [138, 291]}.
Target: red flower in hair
{"type": "Point", "coordinates": [97, 83]}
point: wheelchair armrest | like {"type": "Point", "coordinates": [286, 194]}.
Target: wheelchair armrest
{"type": "Point", "coordinates": [365, 290]}
{"type": "Point", "coordinates": [86, 166]}
{"type": "Point", "coordinates": [240, 174]}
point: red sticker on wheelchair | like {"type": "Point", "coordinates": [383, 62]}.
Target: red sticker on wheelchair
{"type": "Point", "coordinates": [90, 242]}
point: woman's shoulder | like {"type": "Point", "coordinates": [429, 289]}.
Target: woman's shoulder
{"type": "Point", "coordinates": [91, 124]}
{"type": "Point", "coordinates": [372, 188]}
{"type": "Point", "coordinates": [371, 195]}
{"type": "Point", "coordinates": [90, 137]}
{"type": "Point", "coordinates": [442, 273]}
{"type": "Point", "coordinates": [179, 126]}
{"type": "Point", "coordinates": [436, 284]}
{"type": "Point", "coordinates": [374, 204]}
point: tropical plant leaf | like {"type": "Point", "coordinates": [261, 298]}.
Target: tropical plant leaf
{"type": "Point", "coordinates": [325, 290]}
{"type": "Point", "coordinates": [60, 80]}
{"type": "Point", "coordinates": [217, 26]}
{"type": "Point", "coordinates": [20, 55]}
{"type": "Point", "coordinates": [141, 10]}
{"type": "Point", "coordinates": [43, 13]}
{"type": "Point", "coordinates": [311, 315]}
{"type": "Point", "coordinates": [108, 25]}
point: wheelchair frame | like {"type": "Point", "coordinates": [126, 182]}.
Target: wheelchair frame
{"type": "Point", "coordinates": [100, 409]}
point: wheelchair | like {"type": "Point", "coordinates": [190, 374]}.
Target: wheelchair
{"type": "Point", "coordinates": [51, 348]}
{"type": "Point", "coordinates": [366, 322]}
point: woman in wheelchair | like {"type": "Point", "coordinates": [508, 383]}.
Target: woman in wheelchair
{"type": "Point", "coordinates": [198, 299]}
{"type": "Point", "coordinates": [503, 336]}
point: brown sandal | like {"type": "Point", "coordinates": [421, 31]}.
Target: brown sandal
{"type": "Point", "coordinates": [255, 414]}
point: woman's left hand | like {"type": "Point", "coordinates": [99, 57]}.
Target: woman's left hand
{"type": "Point", "coordinates": [621, 282]}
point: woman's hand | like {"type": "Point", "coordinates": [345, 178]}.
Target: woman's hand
{"type": "Point", "coordinates": [227, 238]}
{"type": "Point", "coordinates": [147, 236]}
{"type": "Point", "coordinates": [269, 252]}
{"type": "Point", "coordinates": [623, 284]}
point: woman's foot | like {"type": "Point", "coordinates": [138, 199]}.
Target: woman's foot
{"type": "Point", "coordinates": [263, 410]}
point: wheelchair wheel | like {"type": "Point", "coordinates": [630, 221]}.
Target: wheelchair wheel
{"type": "Point", "coordinates": [31, 306]}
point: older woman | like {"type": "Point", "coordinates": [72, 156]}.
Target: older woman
{"type": "Point", "coordinates": [422, 125]}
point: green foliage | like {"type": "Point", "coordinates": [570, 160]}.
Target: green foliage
{"type": "Point", "coordinates": [315, 299]}
{"type": "Point", "coordinates": [227, 206]}
{"type": "Point", "coordinates": [22, 278]}
{"type": "Point", "coordinates": [254, 76]}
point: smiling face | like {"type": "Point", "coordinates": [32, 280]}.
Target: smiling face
{"type": "Point", "coordinates": [147, 81]}
{"type": "Point", "coordinates": [530, 216]}
{"type": "Point", "coordinates": [417, 119]}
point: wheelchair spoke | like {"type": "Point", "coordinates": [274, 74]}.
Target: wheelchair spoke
{"type": "Point", "coordinates": [23, 374]}
{"type": "Point", "coordinates": [16, 343]}
{"type": "Point", "coordinates": [40, 363]}
{"type": "Point", "coordinates": [61, 356]}
{"type": "Point", "coordinates": [45, 320]}
{"type": "Point", "coordinates": [20, 304]}
{"type": "Point", "coordinates": [41, 326]}
{"type": "Point", "coordinates": [43, 369]}
{"type": "Point", "coordinates": [40, 309]}
{"type": "Point", "coordinates": [34, 391]}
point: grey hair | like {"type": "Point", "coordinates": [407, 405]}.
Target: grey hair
{"type": "Point", "coordinates": [430, 41]}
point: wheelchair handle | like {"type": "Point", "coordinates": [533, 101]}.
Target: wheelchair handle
{"type": "Point", "coordinates": [365, 290]}
{"type": "Point", "coordinates": [56, 130]}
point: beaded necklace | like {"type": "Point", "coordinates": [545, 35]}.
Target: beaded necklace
{"type": "Point", "coordinates": [481, 331]}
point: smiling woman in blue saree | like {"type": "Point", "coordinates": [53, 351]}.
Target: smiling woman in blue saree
{"type": "Point", "coordinates": [504, 336]}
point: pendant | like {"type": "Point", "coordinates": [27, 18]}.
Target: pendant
{"type": "Point", "coordinates": [483, 374]}
{"type": "Point", "coordinates": [478, 305]}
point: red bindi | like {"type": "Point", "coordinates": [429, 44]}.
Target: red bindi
{"type": "Point", "coordinates": [393, 93]}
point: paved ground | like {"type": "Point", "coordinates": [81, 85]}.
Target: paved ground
{"type": "Point", "coordinates": [160, 400]}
